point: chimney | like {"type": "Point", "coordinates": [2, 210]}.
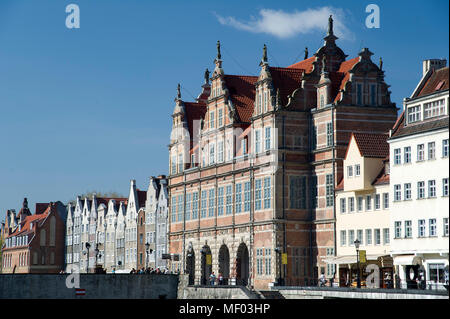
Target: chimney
{"type": "Point", "coordinates": [433, 64]}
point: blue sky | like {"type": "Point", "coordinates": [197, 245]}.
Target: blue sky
{"type": "Point", "coordinates": [89, 109]}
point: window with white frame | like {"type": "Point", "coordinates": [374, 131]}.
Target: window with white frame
{"type": "Point", "coordinates": [420, 190]}
{"type": "Point", "coordinates": [220, 194]}
{"type": "Point", "coordinates": [212, 156]}
{"type": "Point", "coordinates": [360, 203]}
{"type": "Point", "coordinates": [377, 236]}
{"type": "Point", "coordinates": [397, 156]}
{"type": "Point", "coordinates": [350, 171]}
{"type": "Point", "coordinates": [357, 170]}
{"type": "Point", "coordinates": [377, 201]}
{"type": "Point", "coordinates": [420, 152]}
{"type": "Point", "coordinates": [421, 227]}
{"type": "Point", "coordinates": [398, 229]}
{"type": "Point", "coordinates": [268, 261]}
{"type": "Point", "coordinates": [229, 200]}
{"type": "Point", "coordinates": [351, 237]}
{"type": "Point", "coordinates": [220, 118]}
{"type": "Point", "coordinates": [343, 238]}
{"type": "Point", "coordinates": [257, 141]}
{"type": "Point", "coordinates": [397, 192]}
{"type": "Point", "coordinates": [414, 114]}
{"type": "Point", "coordinates": [435, 108]}
{"type": "Point", "coordinates": [407, 191]}
{"type": "Point", "coordinates": [203, 207]}
{"type": "Point", "coordinates": [359, 236]}
{"type": "Point", "coordinates": [195, 205]}
{"type": "Point", "coordinates": [247, 197]}
{"type": "Point", "coordinates": [368, 202]}
{"type": "Point", "coordinates": [407, 154]}
{"type": "Point", "coordinates": [342, 202]}
{"type": "Point", "coordinates": [408, 229]}
{"type": "Point", "coordinates": [432, 227]}
{"type": "Point", "coordinates": [220, 152]}
{"type": "Point", "coordinates": [445, 223]}
{"type": "Point", "coordinates": [238, 198]}
{"type": "Point", "coordinates": [267, 192]}
{"type": "Point", "coordinates": [386, 239]}
{"type": "Point", "coordinates": [266, 100]}
{"type": "Point", "coordinates": [259, 261]}
{"type": "Point", "coordinates": [432, 188]}
{"type": "Point", "coordinates": [188, 206]}
{"type": "Point", "coordinates": [211, 202]}
{"type": "Point", "coordinates": [329, 190]}
{"type": "Point", "coordinates": [431, 150]}
{"type": "Point", "coordinates": [244, 146]}
{"type": "Point", "coordinates": [445, 186]}
{"type": "Point", "coordinates": [351, 204]}
{"type": "Point", "coordinates": [267, 138]}
{"type": "Point", "coordinates": [329, 134]}
{"type": "Point", "coordinates": [258, 186]}
{"type": "Point", "coordinates": [445, 148]}
{"type": "Point", "coordinates": [368, 236]}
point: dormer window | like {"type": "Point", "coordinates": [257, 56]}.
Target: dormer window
{"type": "Point", "coordinates": [357, 170]}
{"type": "Point", "coordinates": [350, 171]}
{"type": "Point", "coordinates": [414, 114]}
{"type": "Point", "coordinates": [435, 108]}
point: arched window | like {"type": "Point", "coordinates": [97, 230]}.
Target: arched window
{"type": "Point", "coordinates": [43, 239]}
{"type": "Point", "coordinates": [52, 230]}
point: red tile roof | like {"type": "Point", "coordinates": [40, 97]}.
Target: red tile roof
{"type": "Point", "coordinates": [342, 76]}
{"type": "Point", "coordinates": [25, 227]}
{"type": "Point", "coordinates": [340, 185]}
{"type": "Point", "coordinates": [287, 80]}
{"type": "Point", "coordinates": [306, 65]}
{"type": "Point", "coordinates": [242, 94]}
{"type": "Point", "coordinates": [382, 177]}
{"type": "Point", "coordinates": [438, 81]}
{"type": "Point", "coordinates": [372, 145]}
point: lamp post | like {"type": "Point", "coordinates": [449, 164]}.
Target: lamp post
{"type": "Point", "coordinates": [87, 265]}
{"type": "Point", "coordinates": [278, 251]}
{"type": "Point", "coordinates": [358, 278]}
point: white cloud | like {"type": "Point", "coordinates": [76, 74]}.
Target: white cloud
{"type": "Point", "coordinates": [289, 24]}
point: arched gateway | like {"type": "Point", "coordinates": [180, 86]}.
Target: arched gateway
{"type": "Point", "coordinates": [242, 265]}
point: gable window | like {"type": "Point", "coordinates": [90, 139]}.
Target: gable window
{"type": "Point", "coordinates": [357, 170]}
{"type": "Point", "coordinates": [329, 134]}
{"type": "Point", "coordinates": [414, 114]}
{"type": "Point", "coordinates": [259, 102]}
{"type": "Point", "coordinates": [435, 108]}
{"type": "Point", "coordinates": [180, 163]}
{"type": "Point", "coordinates": [350, 171]}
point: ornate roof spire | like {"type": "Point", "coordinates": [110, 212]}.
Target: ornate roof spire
{"type": "Point", "coordinates": [264, 58]}
{"type": "Point", "coordinates": [206, 76]}
{"type": "Point", "coordinates": [330, 38]}
{"type": "Point", "coordinates": [178, 92]}
{"type": "Point", "coordinates": [306, 53]}
{"type": "Point", "coordinates": [219, 56]}
{"type": "Point", "coordinates": [330, 25]}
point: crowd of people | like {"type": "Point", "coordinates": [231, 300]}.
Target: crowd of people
{"type": "Point", "coordinates": [150, 270]}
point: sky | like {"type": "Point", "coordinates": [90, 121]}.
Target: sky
{"type": "Point", "coordinates": [89, 108]}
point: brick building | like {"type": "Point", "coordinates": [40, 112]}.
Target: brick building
{"type": "Point", "coordinates": [254, 161]}
{"type": "Point", "coordinates": [35, 243]}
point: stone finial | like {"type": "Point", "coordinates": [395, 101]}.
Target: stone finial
{"type": "Point", "coordinates": [324, 64]}
{"type": "Point", "coordinates": [306, 53]}
{"type": "Point", "coordinates": [179, 91]}
{"type": "Point", "coordinates": [278, 98]}
{"type": "Point", "coordinates": [381, 63]}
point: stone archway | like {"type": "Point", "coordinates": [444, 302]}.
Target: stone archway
{"type": "Point", "coordinates": [206, 263]}
{"type": "Point", "coordinates": [190, 265]}
{"type": "Point", "coordinates": [242, 265]}
{"type": "Point", "coordinates": [224, 263]}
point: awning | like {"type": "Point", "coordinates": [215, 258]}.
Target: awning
{"type": "Point", "coordinates": [407, 260]}
{"type": "Point", "coordinates": [348, 259]}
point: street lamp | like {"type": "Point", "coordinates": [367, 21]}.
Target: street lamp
{"type": "Point", "coordinates": [358, 279]}
{"type": "Point", "coordinates": [87, 265]}
{"type": "Point", "coordinates": [278, 251]}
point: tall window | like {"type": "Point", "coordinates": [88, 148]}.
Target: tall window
{"type": "Point", "coordinates": [267, 192]}
{"type": "Point", "coordinates": [359, 235]}
{"type": "Point", "coordinates": [220, 201]}
{"type": "Point", "coordinates": [397, 156]}
{"type": "Point", "coordinates": [297, 192]}
{"type": "Point", "coordinates": [357, 170]}
{"type": "Point", "coordinates": [420, 190]}
{"type": "Point", "coordinates": [397, 192]}
{"type": "Point", "coordinates": [313, 191]}
{"type": "Point", "coordinates": [258, 194]}
{"type": "Point", "coordinates": [268, 261]}
{"type": "Point", "coordinates": [267, 138]}
{"type": "Point", "coordinates": [386, 239]}
{"type": "Point", "coordinates": [313, 138]}
{"type": "Point", "coordinates": [431, 150]}
{"type": "Point", "coordinates": [343, 238]}
{"type": "Point", "coordinates": [414, 114]}
{"type": "Point", "coordinates": [377, 236]}
{"type": "Point", "coordinates": [398, 229]}
{"type": "Point", "coordinates": [373, 94]}
{"type": "Point", "coordinates": [180, 209]}
{"type": "Point", "coordinates": [195, 205]}
{"type": "Point", "coordinates": [342, 204]}
{"type": "Point", "coordinates": [407, 154]}
{"type": "Point", "coordinates": [420, 152]}
{"type": "Point", "coordinates": [220, 152]}
{"type": "Point", "coordinates": [432, 188]}
{"type": "Point", "coordinates": [180, 163]}
{"type": "Point", "coordinates": [188, 206]}
{"type": "Point", "coordinates": [445, 186]}
{"type": "Point", "coordinates": [266, 100]}
{"type": "Point", "coordinates": [257, 141]}
{"type": "Point", "coordinates": [244, 146]}
{"type": "Point", "coordinates": [203, 207]}
{"type": "Point", "coordinates": [360, 203]}
{"type": "Point", "coordinates": [329, 190]}
{"type": "Point", "coordinates": [229, 200]}
{"type": "Point", "coordinates": [247, 197]}
{"type": "Point", "coordinates": [445, 223]}
{"type": "Point", "coordinates": [407, 191]}
{"type": "Point", "coordinates": [368, 202]}
{"type": "Point", "coordinates": [445, 148]}
{"type": "Point", "coordinates": [212, 204]}
{"type": "Point", "coordinates": [259, 261]}
{"type": "Point", "coordinates": [377, 201]}
{"type": "Point", "coordinates": [351, 204]}
{"type": "Point", "coordinates": [422, 227]}
{"type": "Point", "coordinates": [351, 237]}
{"type": "Point", "coordinates": [432, 223]}
{"type": "Point", "coordinates": [350, 171]}
{"type": "Point", "coordinates": [329, 134]}
{"type": "Point", "coordinates": [408, 229]}
{"type": "Point", "coordinates": [359, 93]}
{"type": "Point", "coordinates": [220, 119]}
{"type": "Point", "coordinates": [238, 198]}
{"type": "Point", "coordinates": [211, 154]}
{"type": "Point", "coordinates": [211, 120]}
{"type": "Point", "coordinates": [368, 236]}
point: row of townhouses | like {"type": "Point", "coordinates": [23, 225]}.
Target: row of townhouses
{"type": "Point", "coordinates": [300, 173]}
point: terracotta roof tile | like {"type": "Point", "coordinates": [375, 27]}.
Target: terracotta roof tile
{"type": "Point", "coordinates": [431, 125]}
{"type": "Point", "coordinates": [306, 65]}
{"type": "Point", "coordinates": [242, 94]}
{"type": "Point", "coordinates": [287, 80]}
{"type": "Point", "coordinates": [438, 81]}
{"type": "Point", "coordinates": [372, 145]}
{"type": "Point", "coordinates": [382, 178]}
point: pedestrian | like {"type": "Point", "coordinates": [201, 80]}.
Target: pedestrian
{"type": "Point", "coordinates": [212, 278]}
{"type": "Point", "coordinates": [113, 270]}
{"type": "Point", "coordinates": [220, 279]}
{"type": "Point", "coordinates": [322, 280]}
